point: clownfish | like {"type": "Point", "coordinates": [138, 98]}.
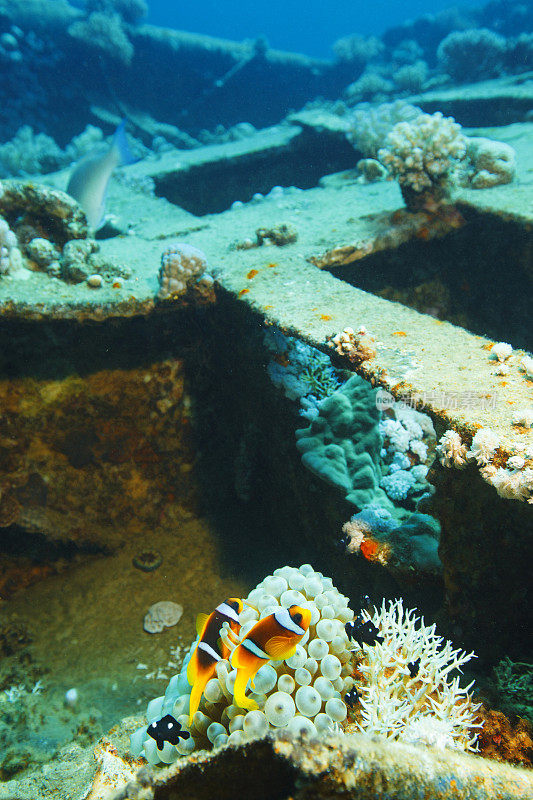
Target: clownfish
{"type": "Point", "coordinates": [211, 648]}
{"type": "Point", "coordinates": [274, 637]}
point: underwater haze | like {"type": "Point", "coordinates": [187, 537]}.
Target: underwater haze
{"type": "Point", "coordinates": [303, 27]}
{"type": "Point", "coordinates": [266, 400]}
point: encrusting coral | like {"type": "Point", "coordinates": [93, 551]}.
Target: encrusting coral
{"type": "Point", "coordinates": [492, 163]}
{"type": "Point", "coordinates": [403, 678]}
{"type": "Point", "coordinates": [10, 256]}
{"type": "Point", "coordinates": [342, 445]}
{"type": "Point", "coordinates": [184, 267]}
{"type": "Point", "coordinates": [400, 546]}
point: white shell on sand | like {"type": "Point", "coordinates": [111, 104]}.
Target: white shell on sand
{"type": "Point", "coordinates": [161, 615]}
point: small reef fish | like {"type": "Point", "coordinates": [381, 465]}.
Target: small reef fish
{"type": "Point", "coordinates": [274, 637]}
{"type": "Point", "coordinates": [363, 632]}
{"type": "Point", "coordinates": [211, 648]}
{"type": "Point", "coordinates": [90, 177]}
{"type": "Point", "coordinates": [413, 667]}
{"type": "Point", "coordinates": [166, 729]}
{"type": "Point", "coordinates": [352, 697]}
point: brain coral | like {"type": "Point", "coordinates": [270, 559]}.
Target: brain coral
{"type": "Point", "coordinates": [491, 163]}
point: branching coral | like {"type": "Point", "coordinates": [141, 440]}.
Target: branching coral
{"type": "Point", "coordinates": [358, 50]}
{"type": "Point", "coordinates": [428, 707]}
{"type": "Point", "coordinates": [370, 125]}
{"type": "Point", "coordinates": [33, 153]}
{"type": "Point", "coordinates": [411, 77]}
{"type": "Point", "coordinates": [371, 85]}
{"type": "Point", "coordinates": [423, 155]}
{"type": "Point", "coordinates": [350, 345]}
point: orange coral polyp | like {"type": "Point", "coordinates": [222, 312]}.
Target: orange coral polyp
{"type": "Point", "coordinates": [369, 548]}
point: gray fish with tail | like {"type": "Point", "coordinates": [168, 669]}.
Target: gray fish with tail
{"type": "Point", "coordinates": [90, 177]}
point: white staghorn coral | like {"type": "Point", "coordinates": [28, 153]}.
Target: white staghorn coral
{"type": "Point", "coordinates": [484, 444]}
{"type": "Point", "coordinates": [423, 155]}
{"type": "Point", "coordinates": [451, 450]}
{"type": "Point", "coordinates": [427, 707]}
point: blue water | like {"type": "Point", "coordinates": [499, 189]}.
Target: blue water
{"type": "Point", "coordinates": [306, 27]}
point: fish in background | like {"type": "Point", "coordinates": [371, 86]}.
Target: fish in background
{"type": "Point", "coordinates": [272, 638]}
{"type": "Point", "coordinates": [90, 177]}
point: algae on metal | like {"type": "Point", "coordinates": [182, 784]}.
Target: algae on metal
{"type": "Point", "coordinates": [336, 766]}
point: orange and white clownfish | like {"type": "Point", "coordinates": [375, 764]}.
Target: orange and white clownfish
{"type": "Point", "coordinates": [274, 637]}
{"type": "Point", "coordinates": [211, 648]}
